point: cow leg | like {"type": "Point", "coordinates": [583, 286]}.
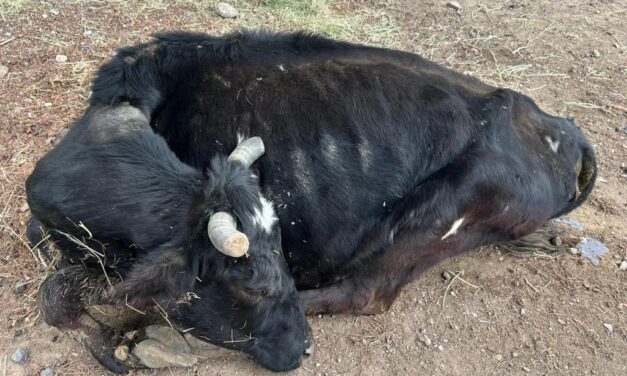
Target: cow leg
{"type": "Point", "coordinates": [63, 299]}
{"type": "Point", "coordinates": [373, 286]}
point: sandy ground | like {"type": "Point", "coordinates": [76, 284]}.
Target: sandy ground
{"type": "Point", "coordinates": [523, 316]}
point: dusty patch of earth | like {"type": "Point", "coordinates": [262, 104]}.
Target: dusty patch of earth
{"type": "Point", "coordinates": [537, 315]}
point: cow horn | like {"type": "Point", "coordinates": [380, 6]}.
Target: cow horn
{"type": "Point", "coordinates": [248, 151]}
{"type": "Point", "coordinates": [224, 235]}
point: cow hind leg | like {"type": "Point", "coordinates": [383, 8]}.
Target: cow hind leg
{"type": "Point", "coordinates": [63, 299]}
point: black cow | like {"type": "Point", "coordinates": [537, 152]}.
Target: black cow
{"type": "Point", "coordinates": [379, 162]}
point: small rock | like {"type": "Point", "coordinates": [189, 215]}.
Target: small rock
{"type": "Point", "coordinates": [20, 356]}
{"type": "Point", "coordinates": [424, 339]}
{"type": "Point", "coordinates": [440, 348]}
{"type": "Point", "coordinates": [561, 321]}
{"type": "Point", "coordinates": [446, 276]}
{"type": "Point", "coordinates": [622, 129]}
{"type": "Point", "coordinates": [46, 372]}
{"type": "Point", "coordinates": [24, 207]}
{"type": "Point", "coordinates": [557, 241]}
{"type": "Point", "coordinates": [608, 327]}
{"type": "Point", "coordinates": [523, 311]}
{"type": "Point", "coordinates": [121, 352]}
{"type": "Point", "coordinates": [498, 357]}
{"type": "Point", "coordinates": [526, 369]}
{"type": "Point", "coordinates": [226, 10]}
{"type": "Point", "coordinates": [54, 12]}
{"type": "Point", "coordinates": [515, 354]}
{"type": "Point", "coordinates": [153, 354]}
{"type": "Point", "coordinates": [454, 5]}
{"type": "Point", "coordinates": [61, 58]}
{"type": "Point", "coordinates": [131, 335]}
{"type": "Point", "coordinates": [573, 251]}
{"type": "Point", "coordinates": [596, 53]}
{"type": "Point", "coordinates": [623, 265]}
{"type": "Point", "coordinates": [20, 288]}
{"type": "Point", "coordinates": [4, 70]}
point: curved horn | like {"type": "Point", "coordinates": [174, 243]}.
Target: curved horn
{"type": "Point", "coordinates": [248, 151]}
{"type": "Point", "coordinates": [224, 235]}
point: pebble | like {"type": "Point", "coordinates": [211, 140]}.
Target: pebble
{"type": "Point", "coordinates": [515, 354]}
{"type": "Point", "coordinates": [622, 129]}
{"type": "Point", "coordinates": [454, 5]}
{"type": "Point", "coordinates": [61, 58]}
{"type": "Point", "coordinates": [4, 70]}
{"type": "Point", "coordinates": [623, 265]}
{"type": "Point", "coordinates": [498, 357]}
{"type": "Point", "coordinates": [46, 372]}
{"type": "Point", "coordinates": [526, 369]}
{"type": "Point", "coordinates": [608, 327]}
{"type": "Point", "coordinates": [440, 348]}
{"type": "Point", "coordinates": [424, 339]}
{"type": "Point", "coordinates": [561, 321]}
{"type": "Point", "coordinates": [446, 276]}
{"type": "Point", "coordinates": [596, 53]}
{"type": "Point", "coordinates": [20, 288]}
{"type": "Point", "coordinates": [226, 10]}
{"type": "Point", "coordinates": [557, 241]}
{"type": "Point", "coordinates": [573, 251]}
{"type": "Point", "coordinates": [20, 356]}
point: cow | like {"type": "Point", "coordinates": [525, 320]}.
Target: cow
{"type": "Point", "coordinates": [141, 228]}
{"type": "Point", "coordinates": [379, 163]}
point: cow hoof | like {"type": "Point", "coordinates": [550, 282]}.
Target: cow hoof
{"type": "Point", "coordinates": [157, 347]}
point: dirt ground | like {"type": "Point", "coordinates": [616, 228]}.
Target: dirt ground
{"type": "Point", "coordinates": [540, 315]}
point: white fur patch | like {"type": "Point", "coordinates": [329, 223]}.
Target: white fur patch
{"type": "Point", "coordinates": [553, 144]}
{"type": "Point", "coordinates": [454, 228]}
{"type": "Point", "coordinates": [265, 216]}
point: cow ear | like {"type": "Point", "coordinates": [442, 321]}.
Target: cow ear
{"type": "Point", "coordinates": [161, 274]}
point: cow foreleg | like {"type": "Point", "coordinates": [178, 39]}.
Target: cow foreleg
{"type": "Point", "coordinates": [63, 299]}
{"type": "Point", "coordinates": [350, 296]}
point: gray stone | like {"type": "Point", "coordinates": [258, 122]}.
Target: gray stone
{"type": "Point", "coordinates": [226, 10]}
{"type": "Point", "coordinates": [169, 337]}
{"type": "Point", "coordinates": [46, 372]}
{"type": "Point", "coordinates": [4, 70]}
{"type": "Point", "coordinates": [20, 356]}
{"type": "Point", "coordinates": [154, 354]}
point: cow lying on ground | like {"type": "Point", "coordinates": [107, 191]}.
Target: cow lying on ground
{"type": "Point", "coordinates": [378, 162]}
{"type": "Point", "coordinates": [116, 199]}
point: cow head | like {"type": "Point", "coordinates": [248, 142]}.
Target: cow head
{"type": "Point", "coordinates": [230, 284]}
{"type": "Point", "coordinates": [565, 163]}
